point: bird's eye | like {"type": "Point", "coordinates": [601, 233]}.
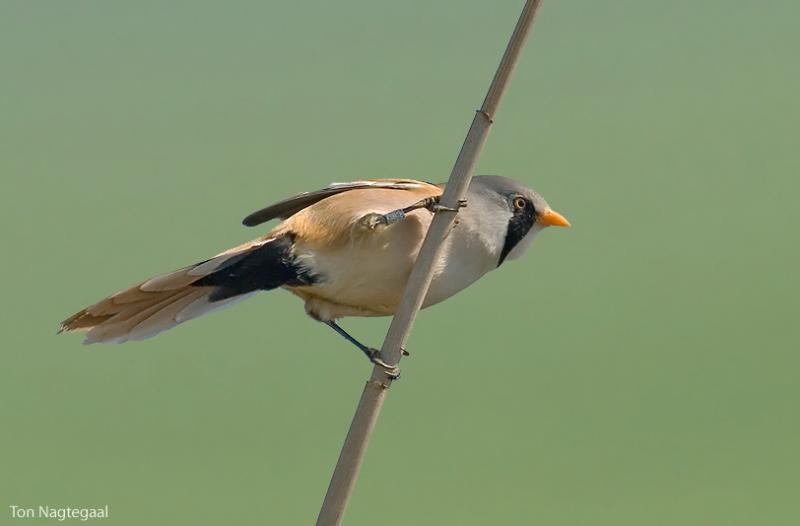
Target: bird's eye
{"type": "Point", "coordinates": [520, 203]}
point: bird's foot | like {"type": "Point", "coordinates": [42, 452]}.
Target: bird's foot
{"type": "Point", "coordinates": [392, 371]}
{"type": "Point", "coordinates": [434, 206]}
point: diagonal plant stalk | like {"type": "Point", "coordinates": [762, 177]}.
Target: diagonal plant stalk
{"type": "Point", "coordinates": [372, 398]}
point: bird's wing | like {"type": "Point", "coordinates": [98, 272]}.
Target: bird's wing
{"type": "Point", "coordinates": [362, 269]}
{"type": "Point", "coordinates": [289, 207]}
{"type": "Point", "coordinates": [332, 221]}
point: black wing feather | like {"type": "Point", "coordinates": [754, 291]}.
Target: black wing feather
{"type": "Point", "coordinates": [289, 207]}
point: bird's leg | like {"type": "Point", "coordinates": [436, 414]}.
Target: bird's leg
{"type": "Point", "coordinates": [369, 352]}
{"type": "Point", "coordinates": [373, 355]}
{"type": "Point", "coordinates": [373, 220]}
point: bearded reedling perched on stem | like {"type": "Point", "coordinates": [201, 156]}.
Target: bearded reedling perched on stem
{"type": "Point", "coordinates": [346, 250]}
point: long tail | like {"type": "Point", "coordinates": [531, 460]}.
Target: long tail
{"type": "Point", "coordinates": [162, 302]}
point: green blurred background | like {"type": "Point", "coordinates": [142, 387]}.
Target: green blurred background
{"type": "Point", "coordinates": [641, 368]}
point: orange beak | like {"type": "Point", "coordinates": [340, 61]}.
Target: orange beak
{"type": "Point", "coordinates": [552, 218]}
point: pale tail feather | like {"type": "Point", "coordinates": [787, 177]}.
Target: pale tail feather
{"type": "Point", "coordinates": [157, 304]}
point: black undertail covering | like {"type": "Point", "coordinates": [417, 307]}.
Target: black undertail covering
{"type": "Point", "coordinates": [263, 268]}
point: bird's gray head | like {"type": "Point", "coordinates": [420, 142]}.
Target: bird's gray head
{"type": "Point", "coordinates": [525, 213]}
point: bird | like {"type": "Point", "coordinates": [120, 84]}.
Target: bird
{"type": "Point", "coordinates": [345, 250]}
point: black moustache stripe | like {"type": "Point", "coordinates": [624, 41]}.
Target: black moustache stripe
{"type": "Point", "coordinates": [518, 227]}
